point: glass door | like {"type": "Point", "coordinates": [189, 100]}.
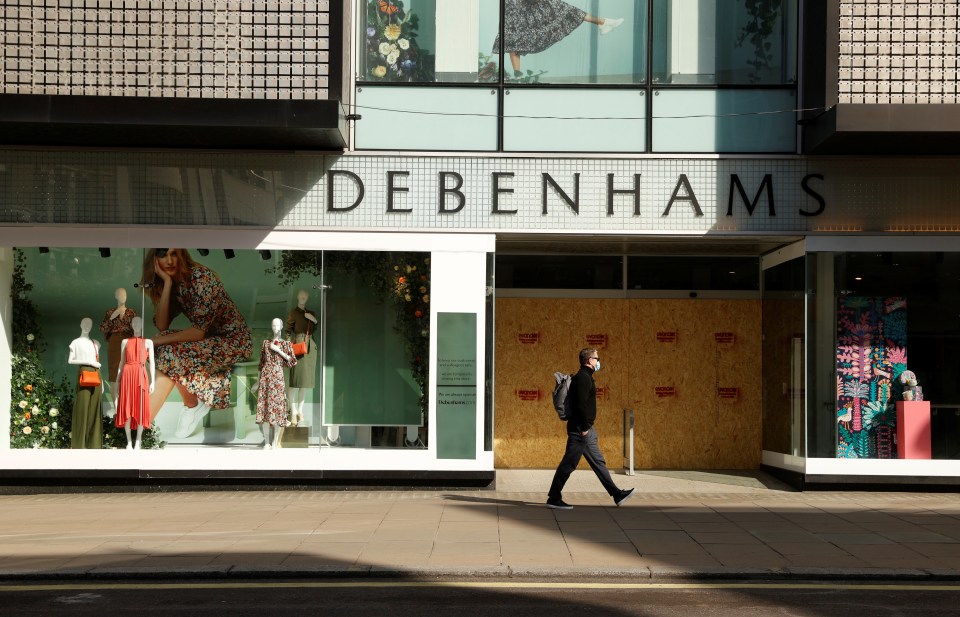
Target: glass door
{"type": "Point", "coordinates": [784, 351]}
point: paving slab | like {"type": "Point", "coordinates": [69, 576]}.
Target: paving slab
{"type": "Point", "coordinates": [704, 525]}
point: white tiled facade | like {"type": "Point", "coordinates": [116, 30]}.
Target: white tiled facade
{"type": "Point", "coordinates": [233, 49]}
{"type": "Point", "coordinates": [898, 52]}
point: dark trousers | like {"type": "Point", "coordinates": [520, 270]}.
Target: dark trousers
{"type": "Point", "coordinates": [579, 446]}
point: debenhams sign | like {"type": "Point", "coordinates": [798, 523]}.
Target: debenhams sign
{"type": "Point", "coordinates": [492, 197]}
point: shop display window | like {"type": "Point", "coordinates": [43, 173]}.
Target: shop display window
{"type": "Point", "coordinates": [223, 338]}
{"type": "Point", "coordinates": [896, 327]}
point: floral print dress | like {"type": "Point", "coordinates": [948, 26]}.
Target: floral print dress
{"type": "Point", "coordinates": [204, 367]}
{"type": "Point", "coordinates": [271, 393]}
{"type": "Point", "coordinates": [531, 26]}
{"type": "Point", "coordinates": [115, 330]}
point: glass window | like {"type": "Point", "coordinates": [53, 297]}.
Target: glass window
{"type": "Point", "coordinates": [429, 40]}
{"type": "Point", "coordinates": [330, 347]}
{"type": "Point", "coordinates": [724, 120]}
{"type": "Point", "coordinates": [548, 41]}
{"type": "Point", "coordinates": [426, 118]}
{"type": "Point", "coordinates": [559, 272]}
{"type": "Point", "coordinates": [705, 42]}
{"type": "Point", "coordinates": [580, 124]}
{"type": "Point", "coordinates": [552, 41]}
{"type": "Point", "coordinates": [693, 273]}
{"type": "Point", "coordinates": [900, 312]}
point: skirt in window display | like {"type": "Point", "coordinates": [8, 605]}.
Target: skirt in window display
{"type": "Point", "coordinates": [531, 26]}
{"type": "Point", "coordinates": [272, 392]}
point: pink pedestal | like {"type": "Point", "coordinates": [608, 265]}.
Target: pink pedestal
{"type": "Point", "coordinates": [913, 429]}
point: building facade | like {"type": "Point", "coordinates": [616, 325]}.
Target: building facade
{"type": "Point", "coordinates": [751, 213]}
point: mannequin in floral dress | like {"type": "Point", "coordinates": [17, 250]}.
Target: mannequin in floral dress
{"type": "Point", "coordinates": [133, 389]}
{"type": "Point", "coordinates": [116, 327]}
{"type": "Point", "coordinates": [275, 355]}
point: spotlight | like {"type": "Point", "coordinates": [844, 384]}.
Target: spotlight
{"type": "Point", "coordinates": [265, 255]}
{"type": "Point", "coordinates": [104, 252]}
{"type": "Point", "coordinates": [203, 252]}
{"type": "Point", "coordinates": [44, 250]}
{"type": "Point", "coordinates": [228, 253]}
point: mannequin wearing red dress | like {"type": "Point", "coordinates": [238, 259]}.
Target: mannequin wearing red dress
{"type": "Point", "coordinates": [133, 392]}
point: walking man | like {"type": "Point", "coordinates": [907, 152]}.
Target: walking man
{"type": "Point", "coordinates": [582, 437]}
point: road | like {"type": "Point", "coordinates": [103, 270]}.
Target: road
{"type": "Point", "coordinates": [479, 598]}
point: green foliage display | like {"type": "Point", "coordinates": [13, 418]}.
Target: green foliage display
{"type": "Point", "coordinates": [115, 437]}
{"type": "Point", "coordinates": [36, 402]}
{"type": "Point", "coordinates": [399, 279]}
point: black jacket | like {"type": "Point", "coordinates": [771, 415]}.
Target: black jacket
{"type": "Point", "coordinates": [583, 392]}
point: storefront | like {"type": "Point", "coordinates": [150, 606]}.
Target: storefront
{"type": "Point", "coordinates": [394, 257]}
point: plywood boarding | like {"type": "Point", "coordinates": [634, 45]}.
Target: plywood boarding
{"type": "Point", "coordinates": [707, 351]}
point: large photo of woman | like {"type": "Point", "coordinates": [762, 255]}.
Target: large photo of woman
{"type": "Point", "coordinates": [196, 360]}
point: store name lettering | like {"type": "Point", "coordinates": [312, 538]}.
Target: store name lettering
{"type": "Point", "coordinates": [451, 197]}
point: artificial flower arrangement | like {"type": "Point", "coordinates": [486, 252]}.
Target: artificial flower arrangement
{"type": "Point", "coordinates": [392, 52]}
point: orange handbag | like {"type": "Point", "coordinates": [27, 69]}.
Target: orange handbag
{"type": "Point", "coordinates": [302, 349]}
{"type": "Point", "coordinates": [89, 379]}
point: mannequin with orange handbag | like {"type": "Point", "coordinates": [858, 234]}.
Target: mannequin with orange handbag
{"type": "Point", "coordinates": [86, 430]}
{"type": "Point", "coordinates": [301, 324]}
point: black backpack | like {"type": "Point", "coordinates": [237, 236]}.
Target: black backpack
{"type": "Point", "coordinates": [561, 395]}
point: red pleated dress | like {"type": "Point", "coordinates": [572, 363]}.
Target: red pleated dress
{"type": "Point", "coordinates": [133, 401]}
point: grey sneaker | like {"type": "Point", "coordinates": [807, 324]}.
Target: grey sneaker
{"type": "Point", "coordinates": [623, 496]}
{"type": "Point", "coordinates": [558, 504]}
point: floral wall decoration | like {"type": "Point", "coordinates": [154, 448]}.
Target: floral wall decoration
{"type": "Point", "coordinates": [399, 279]}
{"type": "Point", "coordinates": [37, 403]}
{"type": "Point", "coordinates": [871, 354]}
{"type": "Point", "coordinates": [392, 52]}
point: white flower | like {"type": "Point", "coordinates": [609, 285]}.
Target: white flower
{"type": "Point", "coordinates": [45, 430]}
{"type": "Point", "coordinates": [35, 409]}
{"type": "Point", "coordinates": [54, 412]}
{"type": "Point", "coordinates": [22, 404]}
{"type": "Point", "coordinates": [404, 44]}
{"type": "Point", "coordinates": [384, 48]}
{"type": "Point", "coordinates": [392, 57]}
{"type": "Point", "coordinates": [53, 426]}
{"type": "Point", "coordinates": [30, 338]}
{"type": "Point", "coordinates": [27, 430]}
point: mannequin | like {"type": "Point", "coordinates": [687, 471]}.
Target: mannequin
{"type": "Point", "coordinates": [85, 353]}
{"type": "Point", "coordinates": [301, 324]}
{"type": "Point", "coordinates": [132, 398]}
{"type": "Point", "coordinates": [116, 327]}
{"type": "Point", "coordinates": [275, 355]}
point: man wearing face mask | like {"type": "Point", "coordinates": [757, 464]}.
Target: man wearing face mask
{"type": "Point", "coordinates": [582, 437]}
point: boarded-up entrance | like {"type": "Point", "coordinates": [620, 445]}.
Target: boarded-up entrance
{"type": "Point", "coordinates": [690, 370]}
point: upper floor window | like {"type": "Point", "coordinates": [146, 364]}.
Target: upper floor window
{"type": "Point", "coordinates": [578, 75]}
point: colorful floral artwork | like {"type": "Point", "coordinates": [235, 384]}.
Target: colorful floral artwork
{"type": "Point", "coordinates": [392, 53]}
{"type": "Point", "coordinates": [871, 354]}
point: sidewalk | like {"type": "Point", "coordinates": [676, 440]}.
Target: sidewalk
{"type": "Point", "coordinates": [679, 525]}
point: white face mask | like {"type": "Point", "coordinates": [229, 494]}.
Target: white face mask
{"type": "Point", "coordinates": [596, 367]}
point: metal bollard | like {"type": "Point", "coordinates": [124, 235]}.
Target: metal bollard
{"type": "Point", "coordinates": [628, 440]}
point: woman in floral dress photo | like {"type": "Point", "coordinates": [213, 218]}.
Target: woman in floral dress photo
{"type": "Point", "coordinates": [197, 360]}
{"type": "Point", "coordinates": [531, 26]}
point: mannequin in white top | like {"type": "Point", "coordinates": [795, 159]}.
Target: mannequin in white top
{"type": "Point", "coordinates": [298, 395]}
{"type": "Point", "coordinates": [86, 433]}
{"type": "Point", "coordinates": [137, 325]}
{"type": "Point", "coordinates": [83, 349]}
